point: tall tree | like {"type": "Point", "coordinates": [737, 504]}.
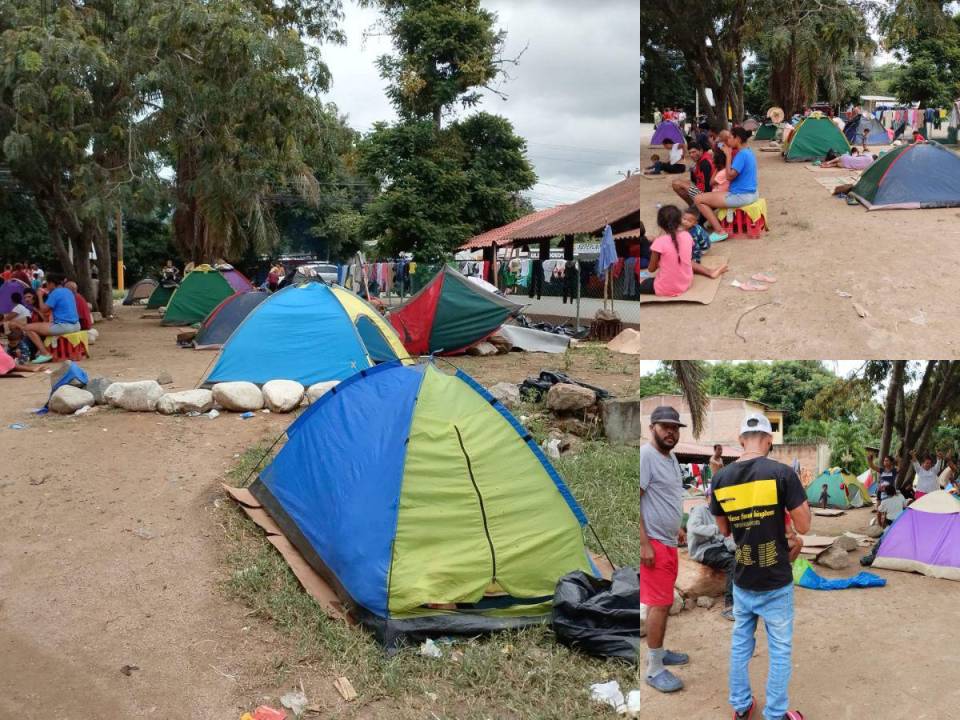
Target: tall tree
{"type": "Point", "coordinates": [441, 183]}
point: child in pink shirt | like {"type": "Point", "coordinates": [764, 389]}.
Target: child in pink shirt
{"type": "Point", "coordinates": [671, 257]}
{"type": "Point", "coordinates": [719, 181]}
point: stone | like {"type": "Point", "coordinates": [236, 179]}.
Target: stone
{"type": "Point", "coordinates": [68, 399]}
{"type": "Point", "coordinates": [238, 396]}
{"type": "Point", "coordinates": [678, 603]}
{"type": "Point", "coordinates": [501, 343]}
{"type": "Point", "coordinates": [567, 397]}
{"type": "Point", "coordinates": [696, 579]}
{"type": "Point", "coordinates": [834, 558]}
{"type": "Point", "coordinates": [574, 426]}
{"type": "Point", "coordinates": [185, 401]}
{"type": "Point", "coordinates": [706, 602]}
{"type": "Point", "coordinates": [873, 531]}
{"type": "Point", "coordinates": [623, 420]}
{"type": "Point", "coordinates": [482, 349]}
{"type": "Point", "coordinates": [96, 316]}
{"type": "Point", "coordinates": [98, 386]}
{"type": "Point", "coordinates": [845, 543]}
{"type": "Point", "coordinates": [61, 371]}
{"type": "Point", "coordinates": [93, 335]}
{"type": "Point", "coordinates": [318, 390]}
{"type": "Point", "coordinates": [282, 396]}
{"type": "Point", "coordinates": [141, 396]}
{"type": "Point", "coordinates": [165, 378]}
{"type": "Point", "coordinates": [506, 393]}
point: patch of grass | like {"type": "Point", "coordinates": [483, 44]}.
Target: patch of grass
{"type": "Point", "coordinates": [515, 674]}
{"type": "Point", "coordinates": [251, 461]}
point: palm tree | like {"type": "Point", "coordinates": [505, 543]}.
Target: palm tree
{"type": "Point", "coordinates": [691, 377]}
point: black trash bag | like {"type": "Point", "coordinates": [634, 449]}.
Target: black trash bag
{"type": "Point", "coordinates": [537, 387]}
{"type": "Point", "coordinates": [599, 617]}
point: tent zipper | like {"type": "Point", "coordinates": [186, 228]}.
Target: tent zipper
{"type": "Point", "coordinates": [483, 511]}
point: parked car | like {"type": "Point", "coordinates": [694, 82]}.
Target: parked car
{"type": "Point", "coordinates": [326, 271]}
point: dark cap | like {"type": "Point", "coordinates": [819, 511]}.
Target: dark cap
{"type": "Point", "coordinates": [666, 415]}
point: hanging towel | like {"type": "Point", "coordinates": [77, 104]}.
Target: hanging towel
{"type": "Point", "coordinates": [608, 251]}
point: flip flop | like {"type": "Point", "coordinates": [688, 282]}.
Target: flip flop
{"type": "Point", "coordinates": [746, 714]}
{"type": "Point", "coordinates": [718, 237]}
{"type": "Point", "coordinates": [793, 715]}
{"type": "Point", "coordinates": [749, 286]}
{"type": "Point", "coordinates": [674, 658]}
{"type": "Point", "coordinates": [763, 278]}
{"type": "Point", "coordinates": [665, 681]}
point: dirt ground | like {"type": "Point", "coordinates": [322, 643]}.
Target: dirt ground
{"type": "Point", "coordinates": [890, 262]}
{"type": "Point", "coordinates": [111, 555]}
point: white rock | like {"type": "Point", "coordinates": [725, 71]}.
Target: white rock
{"type": "Point", "coordinates": [318, 390]}
{"type": "Point", "coordinates": [567, 397]}
{"type": "Point", "coordinates": [68, 399]}
{"type": "Point", "coordinates": [139, 396]}
{"type": "Point", "coordinates": [185, 401]}
{"type": "Point", "coordinates": [506, 393]}
{"type": "Point", "coordinates": [92, 335]}
{"type": "Point", "coordinates": [238, 396]}
{"type": "Point", "coordinates": [282, 395]}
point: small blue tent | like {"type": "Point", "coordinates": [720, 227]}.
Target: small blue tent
{"type": "Point", "coordinates": [920, 175]}
{"type": "Point", "coordinates": [309, 333]}
{"type": "Point", "coordinates": [876, 134]}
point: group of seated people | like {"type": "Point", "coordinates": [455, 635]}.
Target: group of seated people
{"type": "Point", "coordinates": [54, 309]}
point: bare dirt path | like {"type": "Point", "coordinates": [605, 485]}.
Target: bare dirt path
{"type": "Point", "coordinates": [898, 265]}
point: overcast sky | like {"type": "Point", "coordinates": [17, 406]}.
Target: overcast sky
{"type": "Point", "coordinates": [574, 97]}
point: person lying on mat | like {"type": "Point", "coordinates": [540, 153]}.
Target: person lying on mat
{"type": "Point", "coordinates": [62, 306]}
{"type": "Point", "coordinates": [853, 160]}
{"type": "Point", "coordinates": [701, 243]}
{"type": "Point", "coordinates": [742, 173]}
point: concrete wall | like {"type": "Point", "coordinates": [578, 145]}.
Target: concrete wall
{"type": "Point", "coordinates": [814, 457]}
{"type": "Point", "coordinates": [721, 425]}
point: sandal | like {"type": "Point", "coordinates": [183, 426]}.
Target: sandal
{"type": "Point", "coordinates": [746, 714]}
{"type": "Point", "coordinates": [793, 715]}
{"type": "Point", "coordinates": [674, 658]}
{"type": "Point", "coordinates": [763, 278]}
{"type": "Point", "coordinates": [665, 681]}
{"type": "Point", "coordinates": [749, 286]}
{"type": "Point", "coordinates": [717, 237]}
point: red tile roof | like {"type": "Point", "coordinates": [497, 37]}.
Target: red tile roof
{"type": "Point", "coordinates": [501, 235]}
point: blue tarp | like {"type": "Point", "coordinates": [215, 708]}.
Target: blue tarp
{"type": "Point", "coordinates": [811, 581]}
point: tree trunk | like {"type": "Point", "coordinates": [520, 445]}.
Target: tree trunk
{"type": "Point", "coordinates": [189, 229]}
{"type": "Point", "coordinates": [890, 409]}
{"type": "Point", "coordinates": [103, 302]}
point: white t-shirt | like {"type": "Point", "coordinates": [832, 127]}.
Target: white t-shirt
{"type": "Point", "coordinates": [946, 477]}
{"type": "Point", "coordinates": [22, 312]}
{"type": "Point", "coordinates": [892, 506]}
{"type": "Point", "coordinates": [927, 480]}
{"type": "Point", "coordinates": [676, 154]}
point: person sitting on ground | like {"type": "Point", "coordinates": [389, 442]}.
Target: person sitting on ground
{"type": "Point", "coordinates": [890, 507]}
{"type": "Point", "coordinates": [62, 306]}
{"type": "Point", "coordinates": [19, 349]}
{"type": "Point", "coordinates": [701, 243]}
{"type": "Point", "coordinates": [19, 314]}
{"type": "Point", "coordinates": [701, 172]}
{"type": "Point", "coordinates": [918, 137]}
{"type": "Point", "coordinates": [742, 172]}
{"type": "Point", "coordinates": [708, 546]}
{"type": "Point", "coordinates": [655, 168]}
{"type": "Point", "coordinates": [853, 160]}
{"type": "Point", "coordinates": [927, 471]}
{"type": "Point", "coordinates": [719, 183]}
{"type": "Point", "coordinates": [671, 257]}
{"type": "Point", "coordinates": [674, 165]}
{"type": "Point", "coordinates": [824, 496]}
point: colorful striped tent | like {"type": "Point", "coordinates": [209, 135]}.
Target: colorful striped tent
{"type": "Point", "coordinates": [450, 314]}
{"type": "Point", "coordinates": [921, 175]}
{"type": "Point", "coordinates": [238, 281]}
{"type": "Point", "coordinates": [925, 538]}
{"type": "Point", "coordinates": [844, 490]}
{"type": "Point", "coordinates": [425, 505]}
{"type": "Point", "coordinates": [309, 333]}
{"type": "Point", "coordinates": [200, 292]}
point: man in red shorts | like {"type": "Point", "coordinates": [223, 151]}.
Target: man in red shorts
{"type": "Point", "coordinates": [661, 514]}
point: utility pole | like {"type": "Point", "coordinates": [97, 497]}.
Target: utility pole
{"type": "Point", "coordinates": [119, 227]}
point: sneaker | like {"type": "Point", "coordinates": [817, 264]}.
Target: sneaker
{"type": "Point", "coordinates": [716, 237]}
{"type": "Point", "coordinates": [674, 658]}
{"type": "Point", "coordinates": [40, 359]}
{"type": "Point", "coordinates": [727, 614]}
{"type": "Point", "coordinates": [665, 681]}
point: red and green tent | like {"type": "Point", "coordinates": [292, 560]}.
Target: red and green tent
{"type": "Point", "coordinates": [449, 315]}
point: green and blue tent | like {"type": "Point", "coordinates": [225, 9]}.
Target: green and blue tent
{"type": "Point", "coordinates": [425, 505]}
{"type": "Point", "coordinates": [201, 291]}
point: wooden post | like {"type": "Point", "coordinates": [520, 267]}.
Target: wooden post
{"type": "Point", "coordinates": [119, 226]}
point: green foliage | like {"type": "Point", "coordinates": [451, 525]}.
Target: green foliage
{"type": "Point", "coordinates": [445, 50]}
{"type": "Point", "coordinates": [661, 382]}
{"type": "Point", "coordinates": [783, 384]}
{"type": "Point", "coordinates": [846, 446]}
{"type": "Point", "coordinates": [664, 81]}
{"type": "Point", "coordinates": [925, 37]}
{"type": "Point", "coordinates": [147, 245]}
{"type": "Point", "coordinates": [23, 231]}
{"type": "Point", "coordinates": [440, 187]}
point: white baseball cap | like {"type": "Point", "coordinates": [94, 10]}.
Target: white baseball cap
{"type": "Point", "coordinates": [756, 422]}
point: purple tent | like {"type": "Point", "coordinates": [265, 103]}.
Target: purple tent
{"type": "Point", "coordinates": [667, 131]}
{"type": "Point", "coordinates": [925, 538]}
{"type": "Point", "coordinates": [238, 281]}
{"type": "Point", "coordinates": [6, 290]}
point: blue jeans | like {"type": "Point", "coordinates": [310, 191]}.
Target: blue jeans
{"type": "Point", "coordinates": [776, 609]}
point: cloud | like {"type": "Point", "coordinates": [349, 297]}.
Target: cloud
{"type": "Point", "coordinates": [574, 96]}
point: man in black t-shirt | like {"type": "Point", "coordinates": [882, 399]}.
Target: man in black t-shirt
{"type": "Point", "coordinates": [755, 499]}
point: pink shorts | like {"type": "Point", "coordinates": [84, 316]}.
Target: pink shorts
{"type": "Point", "coordinates": [656, 583]}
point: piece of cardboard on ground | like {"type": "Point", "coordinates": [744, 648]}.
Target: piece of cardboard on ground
{"type": "Point", "coordinates": [312, 582]}
{"type": "Point", "coordinates": [831, 182]}
{"type": "Point", "coordinates": [703, 291]}
{"type": "Point", "coordinates": [820, 170]}
{"type": "Point", "coordinates": [818, 541]}
{"type": "Point", "coordinates": [828, 512]}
